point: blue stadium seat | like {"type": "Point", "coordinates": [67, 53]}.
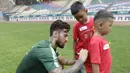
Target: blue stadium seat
{"type": "Point", "coordinates": [43, 6]}
{"type": "Point", "coordinates": [97, 2]}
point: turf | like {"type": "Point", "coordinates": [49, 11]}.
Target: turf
{"type": "Point", "coordinates": [17, 38]}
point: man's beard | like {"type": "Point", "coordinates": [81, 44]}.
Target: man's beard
{"type": "Point", "coordinates": [58, 44]}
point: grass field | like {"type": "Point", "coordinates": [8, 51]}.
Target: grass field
{"type": "Point", "coordinates": [17, 38]}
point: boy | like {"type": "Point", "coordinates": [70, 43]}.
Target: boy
{"type": "Point", "coordinates": [99, 57]}
{"type": "Point", "coordinates": [82, 30]}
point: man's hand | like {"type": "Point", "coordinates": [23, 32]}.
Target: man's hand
{"type": "Point", "coordinates": [76, 67]}
{"type": "Point", "coordinates": [83, 54]}
{"type": "Point", "coordinates": [62, 61]}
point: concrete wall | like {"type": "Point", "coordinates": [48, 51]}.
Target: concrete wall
{"type": "Point", "coordinates": [6, 5]}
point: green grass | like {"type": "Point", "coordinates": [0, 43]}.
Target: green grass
{"type": "Point", "coordinates": [17, 38]}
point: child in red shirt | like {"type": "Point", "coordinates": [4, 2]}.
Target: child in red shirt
{"type": "Point", "coordinates": [99, 57]}
{"type": "Point", "coordinates": [82, 30]}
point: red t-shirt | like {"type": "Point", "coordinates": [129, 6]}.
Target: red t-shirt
{"type": "Point", "coordinates": [99, 53]}
{"type": "Point", "coordinates": [82, 32]}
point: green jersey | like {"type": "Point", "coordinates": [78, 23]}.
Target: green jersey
{"type": "Point", "coordinates": [42, 58]}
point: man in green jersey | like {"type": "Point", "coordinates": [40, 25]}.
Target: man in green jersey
{"type": "Point", "coordinates": [43, 57]}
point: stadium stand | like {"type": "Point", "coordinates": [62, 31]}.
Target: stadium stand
{"type": "Point", "coordinates": [1, 16]}
{"type": "Point", "coordinates": [16, 8]}
{"type": "Point", "coordinates": [6, 5]}
{"type": "Point", "coordinates": [48, 11]}
{"type": "Point", "coordinates": [100, 1]}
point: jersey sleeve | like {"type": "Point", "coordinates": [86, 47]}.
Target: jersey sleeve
{"type": "Point", "coordinates": [75, 32]}
{"type": "Point", "coordinates": [95, 53]}
{"type": "Point", "coordinates": [48, 58]}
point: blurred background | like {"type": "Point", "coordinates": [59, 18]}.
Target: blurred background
{"type": "Point", "coordinates": [50, 10]}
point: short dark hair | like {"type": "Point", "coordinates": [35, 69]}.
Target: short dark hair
{"type": "Point", "coordinates": [76, 7]}
{"type": "Point", "coordinates": [59, 24]}
{"type": "Point", "coordinates": [103, 14]}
